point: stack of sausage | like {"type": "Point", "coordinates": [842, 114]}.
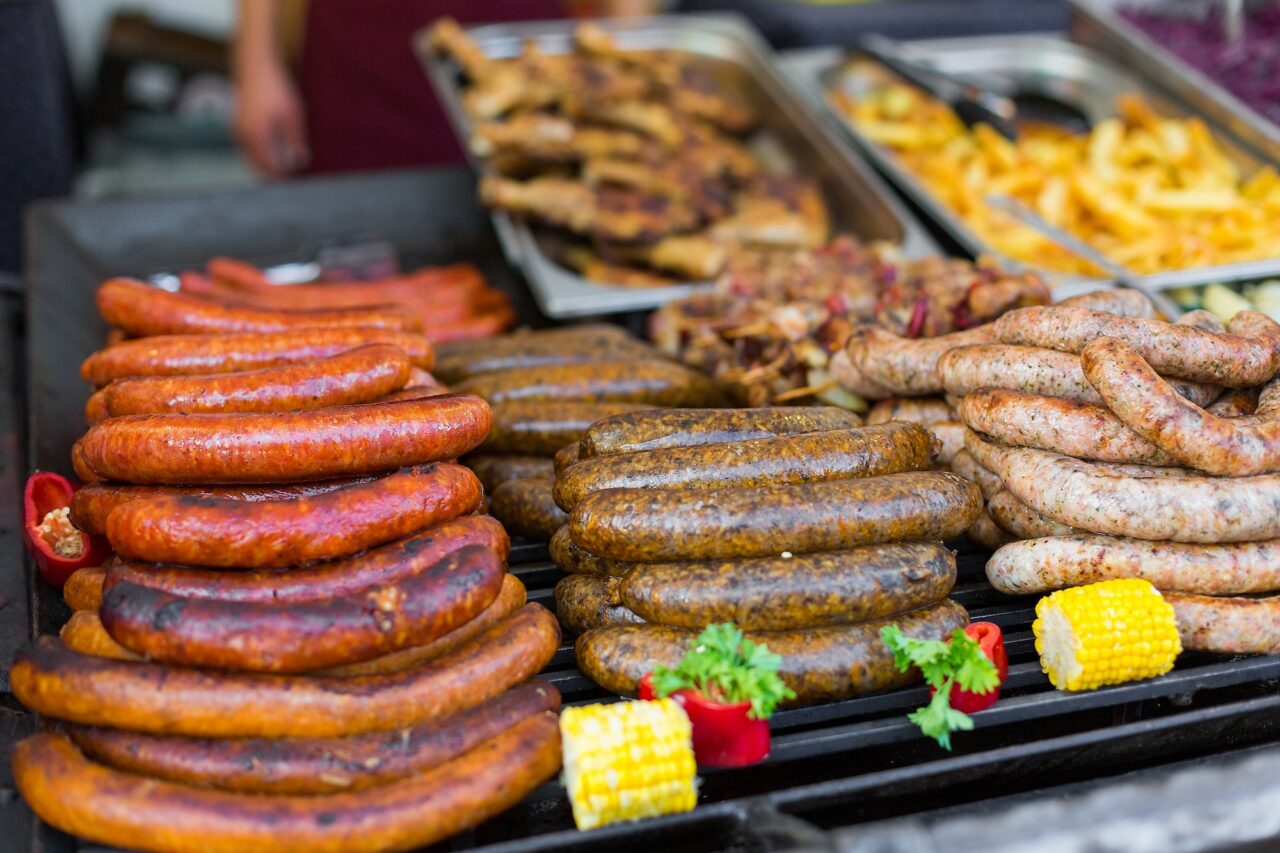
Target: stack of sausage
{"type": "Point", "coordinates": [1108, 469]}
{"type": "Point", "coordinates": [904, 375]}
{"type": "Point", "coordinates": [805, 529]}
{"type": "Point", "coordinates": [452, 303]}
{"type": "Point", "coordinates": [307, 636]}
{"type": "Point", "coordinates": [545, 389]}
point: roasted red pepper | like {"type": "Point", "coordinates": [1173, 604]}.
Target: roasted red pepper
{"type": "Point", "coordinates": [990, 639]}
{"type": "Point", "coordinates": [723, 734]}
{"type": "Point", "coordinates": [57, 546]}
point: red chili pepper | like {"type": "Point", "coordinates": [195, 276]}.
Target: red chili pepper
{"type": "Point", "coordinates": [45, 493]}
{"type": "Point", "coordinates": [991, 641]}
{"type": "Point", "coordinates": [723, 734]}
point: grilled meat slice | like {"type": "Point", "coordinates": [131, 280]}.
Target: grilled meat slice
{"type": "Point", "coordinates": [604, 213]}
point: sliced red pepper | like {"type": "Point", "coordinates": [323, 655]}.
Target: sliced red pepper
{"type": "Point", "coordinates": [991, 640]}
{"type": "Point", "coordinates": [723, 734]}
{"type": "Point", "coordinates": [57, 547]}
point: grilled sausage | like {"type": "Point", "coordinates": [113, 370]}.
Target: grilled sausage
{"type": "Point", "coordinates": [1236, 404]}
{"type": "Point", "coordinates": [93, 503]}
{"type": "Point", "coordinates": [511, 597]}
{"type": "Point", "coordinates": [1034, 370]}
{"type": "Point", "coordinates": [658, 383]}
{"type": "Point", "coordinates": [542, 427]}
{"type": "Point", "coordinates": [84, 633]}
{"type": "Point", "coordinates": [383, 565]}
{"type": "Point", "coordinates": [654, 525]}
{"type": "Point", "coordinates": [664, 428]}
{"type": "Point", "coordinates": [966, 466]}
{"type": "Point", "coordinates": [920, 410]}
{"type": "Point", "coordinates": [183, 355]}
{"type": "Point", "coordinates": [1041, 565]}
{"type": "Point", "coordinates": [273, 534]}
{"type": "Point", "coordinates": [854, 380]}
{"type": "Point", "coordinates": [949, 438]}
{"type": "Point", "coordinates": [313, 765]}
{"type": "Point", "coordinates": [1070, 427]}
{"type": "Point", "coordinates": [83, 590]}
{"type": "Point", "coordinates": [493, 471]}
{"type": "Point", "coordinates": [781, 593]}
{"type": "Point", "coordinates": [572, 559]}
{"type": "Point", "coordinates": [1233, 626]}
{"type": "Point", "coordinates": [140, 309]}
{"type": "Point", "coordinates": [1144, 504]}
{"type": "Point", "coordinates": [1249, 356]}
{"type": "Point", "coordinates": [1122, 302]}
{"type": "Point", "coordinates": [342, 441]}
{"type": "Point", "coordinates": [305, 635]}
{"type": "Point", "coordinates": [110, 807]}
{"type": "Point", "coordinates": [95, 408]}
{"type": "Point", "coordinates": [567, 457]}
{"type": "Point", "coordinates": [587, 344]}
{"type": "Point", "coordinates": [819, 664]}
{"type": "Point", "coordinates": [584, 602]}
{"type": "Point", "coordinates": [356, 376]}
{"type": "Point", "coordinates": [51, 680]}
{"type": "Point", "coordinates": [806, 458]}
{"type": "Point", "coordinates": [1149, 406]}
{"type": "Point", "coordinates": [1021, 520]}
{"type": "Point", "coordinates": [907, 366]}
{"type": "Point", "coordinates": [526, 508]}
{"type": "Point", "coordinates": [985, 532]}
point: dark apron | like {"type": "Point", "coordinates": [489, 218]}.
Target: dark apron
{"type": "Point", "coordinates": [369, 104]}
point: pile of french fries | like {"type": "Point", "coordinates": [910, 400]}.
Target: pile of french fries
{"type": "Point", "coordinates": [1149, 192]}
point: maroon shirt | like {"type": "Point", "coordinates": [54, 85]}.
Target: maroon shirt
{"type": "Point", "coordinates": [369, 104]}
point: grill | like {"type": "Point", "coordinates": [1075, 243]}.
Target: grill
{"type": "Point", "coordinates": [833, 766]}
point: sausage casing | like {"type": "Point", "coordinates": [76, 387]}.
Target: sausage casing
{"type": "Point", "coordinates": [542, 427]}
{"type": "Point", "coordinates": [568, 556]}
{"type": "Point", "coordinates": [782, 593]}
{"type": "Point", "coordinates": [526, 508]}
{"type": "Point", "coordinates": [342, 441]}
{"type": "Point", "coordinates": [653, 525]}
{"type": "Point", "coordinates": [1234, 626]}
{"type": "Point", "coordinates": [83, 590]}
{"type": "Point", "coordinates": [1021, 520]}
{"type": "Point", "coordinates": [662, 428]}
{"type": "Point", "coordinates": [920, 410]}
{"type": "Point", "coordinates": [584, 602]}
{"type": "Point", "coordinates": [819, 664]}
{"type": "Point", "coordinates": [658, 383]}
{"type": "Point", "coordinates": [495, 470]}
{"type": "Point", "coordinates": [586, 344]}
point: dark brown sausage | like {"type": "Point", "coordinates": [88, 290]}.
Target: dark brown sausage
{"type": "Point", "coordinates": [343, 441]}
{"type": "Point", "coordinates": [92, 504]}
{"type": "Point", "coordinates": [304, 635]}
{"type": "Point", "coordinates": [542, 427]}
{"type": "Point", "coordinates": [807, 458]}
{"type": "Point", "coordinates": [656, 525]}
{"type": "Point", "coordinates": [140, 309]}
{"type": "Point", "coordinates": [107, 806]}
{"type": "Point", "coordinates": [571, 345]}
{"type": "Point", "coordinates": [313, 765]}
{"type": "Point", "coordinates": [584, 602]}
{"type": "Point", "coordinates": [819, 664]}
{"type": "Point", "coordinates": [83, 590]}
{"type": "Point", "coordinates": [658, 428]}
{"type": "Point", "coordinates": [572, 559]}
{"type": "Point", "coordinates": [526, 508]}
{"type": "Point", "coordinates": [567, 456]}
{"type": "Point", "coordinates": [273, 534]}
{"type": "Point", "coordinates": [356, 376]}
{"type": "Point", "coordinates": [383, 565]}
{"type": "Point", "coordinates": [151, 697]}
{"type": "Point", "coordinates": [782, 593]}
{"type": "Point", "coordinates": [183, 355]}
{"type": "Point", "coordinates": [493, 471]}
{"type": "Point", "coordinates": [659, 383]}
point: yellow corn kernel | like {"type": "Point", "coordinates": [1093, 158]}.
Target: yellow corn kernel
{"type": "Point", "coordinates": [627, 761]}
{"type": "Point", "coordinates": [1105, 633]}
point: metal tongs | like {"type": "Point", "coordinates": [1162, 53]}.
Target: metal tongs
{"type": "Point", "coordinates": [1121, 276]}
{"type": "Point", "coordinates": [972, 103]}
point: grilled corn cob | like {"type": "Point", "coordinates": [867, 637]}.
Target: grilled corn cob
{"type": "Point", "coordinates": [627, 761]}
{"type": "Point", "coordinates": [1105, 633]}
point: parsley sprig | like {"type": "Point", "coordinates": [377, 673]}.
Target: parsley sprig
{"type": "Point", "coordinates": [943, 664]}
{"type": "Point", "coordinates": [725, 666]}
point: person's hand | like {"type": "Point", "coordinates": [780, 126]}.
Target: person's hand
{"type": "Point", "coordinates": [270, 125]}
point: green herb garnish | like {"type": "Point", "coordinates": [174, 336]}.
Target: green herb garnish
{"type": "Point", "coordinates": [725, 666]}
{"type": "Point", "coordinates": [943, 664]}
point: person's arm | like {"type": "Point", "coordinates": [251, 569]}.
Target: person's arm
{"type": "Point", "coordinates": [269, 120]}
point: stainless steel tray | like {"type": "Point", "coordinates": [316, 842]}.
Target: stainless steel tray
{"type": "Point", "coordinates": [1048, 64]}
{"type": "Point", "coordinates": [860, 203]}
{"type": "Point", "coordinates": [1095, 23]}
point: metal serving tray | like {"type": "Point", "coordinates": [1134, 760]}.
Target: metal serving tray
{"type": "Point", "coordinates": [859, 201]}
{"type": "Point", "coordinates": [1045, 64]}
{"type": "Point", "coordinates": [1096, 23]}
